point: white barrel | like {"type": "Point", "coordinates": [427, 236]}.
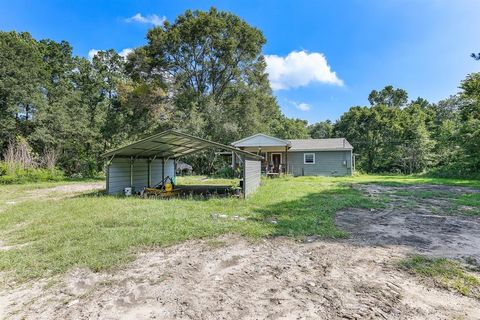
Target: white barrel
{"type": "Point", "coordinates": [128, 191]}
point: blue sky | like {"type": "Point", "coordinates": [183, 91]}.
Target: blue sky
{"type": "Point", "coordinates": [325, 56]}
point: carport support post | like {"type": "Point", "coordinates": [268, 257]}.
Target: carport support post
{"type": "Point", "coordinates": [286, 160]}
{"type": "Point", "coordinates": [163, 169]}
{"type": "Point", "coordinates": [131, 172]}
{"type": "Point", "coordinates": [149, 162]}
{"type": "Point", "coordinates": [244, 177]}
{"type": "Point", "coordinates": [108, 178]}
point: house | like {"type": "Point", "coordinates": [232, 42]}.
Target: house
{"type": "Point", "coordinates": [301, 157]}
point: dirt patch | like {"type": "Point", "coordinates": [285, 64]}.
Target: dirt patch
{"type": "Point", "coordinates": [54, 193]}
{"type": "Point", "coordinates": [273, 279]}
{"type": "Point", "coordinates": [65, 191]}
{"type": "Point", "coordinates": [430, 224]}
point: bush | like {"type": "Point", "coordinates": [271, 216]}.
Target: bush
{"type": "Point", "coordinates": [454, 171]}
{"type": "Point", "coordinates": [226, 173]}
{"type": "Point", "coordinates": [17, 174]}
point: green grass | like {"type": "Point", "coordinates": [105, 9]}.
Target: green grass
{"type": "Point", "coordinates": [398, 180]}
{"type": "Point", "coordinates": [186, 180]}
{"type": "Point", "coordinates": [445, 273]}
{"type": "Point", "coordinates": [101, 232]}
{"type": "Point", "coordinates": [470, 201]}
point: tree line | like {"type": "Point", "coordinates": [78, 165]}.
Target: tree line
{"type": "Point", "coordinates": [204, 74]}
{"type": "Point", "coordinates": [396, 135]}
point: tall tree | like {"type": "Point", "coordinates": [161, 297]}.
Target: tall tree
{"type": "Point", "coordinates": [287, 128]}
{"type": "Point", "coordinates": [21, 91]}
{"type": "Point", "coordinates": [470, 121]}
{"type": "Point", "coordinates": [213, 66]}
{"type": "Point", "coordinates": [388, 96]}
{"type": "Point", "coordinates": [321, 130]}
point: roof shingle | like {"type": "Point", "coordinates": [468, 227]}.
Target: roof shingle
{"type": "Point", "coordinates": [320, 144]}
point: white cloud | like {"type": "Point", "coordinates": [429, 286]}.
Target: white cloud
{"type": "Point", "coordinates": [150, 19]}
{"type": "Point", "coordinates": [302, 106]}
{"type": "Point", "coordinates": [299, 69]}
{"type": "Point", "coordinates": [92, 53]}
{"type": "Point", "coordinates": [124, 53]}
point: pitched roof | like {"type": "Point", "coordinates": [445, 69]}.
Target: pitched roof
{"type": "Point", "coordinates": [172, 144]}
{"type": "Point", "coordinates": [320, 144]}
{"type": "Point", "coordinates": [260, 139]}
{"type": "Point", "coordinates": [263, 140]}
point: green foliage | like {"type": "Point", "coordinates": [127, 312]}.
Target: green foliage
{"type": "Point", "coordinates": [470, 121]}
{"type": "Point", "coordinates": [321, 130]}
{"type": "Point", "coordinates": [418, 137]}
{"type": "Point", "coordinates": [388, 96]}
{"type": "Point", "coordinates": [204, 73]}
{"type": "Point", "coordinates": [215, 61]}
{"type": "Point", "coordinates": [29, 175]}
{"type": "Point", "coordinates": [287, 128]}
{"type": "Point", "coordinates": [227, 173]}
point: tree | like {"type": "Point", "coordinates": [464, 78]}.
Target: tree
{"type": "Point", "coordinates": [444, 129]}
{"type": "Point", "coordinates": [291, 129]}
{"type": "Point", "coordinates": [212, 65]}
{"type": "Point", "coordinates": [21, 76]}
{"type": "Point", "coordinates": [321, 130]}
{"type": "Point", "coordinates": [417, 152]}
{"type": "Point", "coordinates": [469, 133]}
{"type": "Point", "coordinates": [388, 96]}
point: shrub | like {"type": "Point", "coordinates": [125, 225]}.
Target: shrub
{"type": "Point", "coordinates": [17, 174]}
{"type": "Point", "coordinates": [226, 173]}
{"type": "Point", "coordinates": [21, 165]}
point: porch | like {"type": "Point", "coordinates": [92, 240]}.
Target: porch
{"type": "Point", "coordinates": [273, 150]}
{"type": "Point", "coordinates": [275, 160]}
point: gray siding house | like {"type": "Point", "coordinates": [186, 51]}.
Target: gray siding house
{"type": "Point", "coordinates": [301, 157]}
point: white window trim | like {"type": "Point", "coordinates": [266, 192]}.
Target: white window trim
{"type": "Point", "coordinates": [313, 154]}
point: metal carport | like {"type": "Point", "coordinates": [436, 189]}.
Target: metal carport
{"type": "Point", "coordinates": [148, 161]}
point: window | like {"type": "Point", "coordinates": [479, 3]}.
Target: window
{"type": "Point", "coordinates": [309, 158]}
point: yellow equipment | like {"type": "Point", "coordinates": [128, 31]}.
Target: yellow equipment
{"type": "Point", "coordinates": [168, 187]}
{"type": "Point", "coordinates": [164, 188]}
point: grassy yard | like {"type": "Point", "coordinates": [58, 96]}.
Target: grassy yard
{"type": "Point", "coordinates": [47, 236]}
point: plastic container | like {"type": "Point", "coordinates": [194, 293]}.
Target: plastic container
{"type": "Point", "coordinates": [127, 191]}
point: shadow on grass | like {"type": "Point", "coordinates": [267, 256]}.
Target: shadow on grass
{"type": "Point", "coordinates": [312, 214]}
{"type": "Point", "coordinates": [196, 197]}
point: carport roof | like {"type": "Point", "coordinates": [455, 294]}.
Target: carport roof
{"type": "Point", "coordinates": [171, 144]}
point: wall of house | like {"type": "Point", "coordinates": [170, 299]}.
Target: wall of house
{"type": "Point", "coordinates": [118, 174]}
{"type": "Point", "coordinates": [327, 163]}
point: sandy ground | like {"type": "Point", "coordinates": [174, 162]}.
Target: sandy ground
{"type": "Point", "coordinates": [233, 278]}
{"type": "Point", "coordinates": [64, 191]}
{"type": "Point", "coordinates": [53, 193]}
{"type": "Point", "coordinates": [430, 226]}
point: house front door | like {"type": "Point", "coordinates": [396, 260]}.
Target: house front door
{"type": "Point", "coordinates": [276, 159]}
